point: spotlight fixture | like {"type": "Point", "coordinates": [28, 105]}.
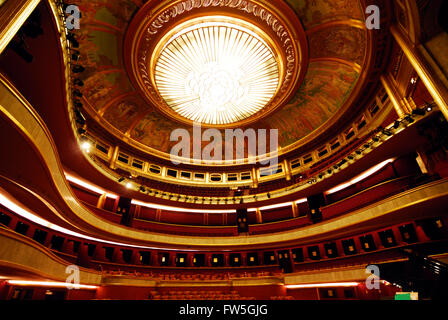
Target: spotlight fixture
{"type": "Point", "coordinates": [76, 55]}
{"type": "Point", "coordinates": [77, 104]}
{"type": "Point", "coordinates": [78, 68]}
{"type": "Point", "coordinates": [419, 112]}
{"type": "Point", "coordinates": [396, 124]}
{"type": "Point", "coordinates": [375, 139]}
{"type": "Point", "coordinates": [121, 179]}
{"type": "Point", "coordinates": [269, 195]}
{"type": "Point", "coordinates": [142, 189]}
{"type": "Point", "coordinates": [78, 82]}
{"type": "Point", "coordinates": [336, 167]}
{"type": "Point", "coordinates": [329, 171]}
{"type": "Point", "coordinates": [80, 119]}
{"type": "Point", "coordinates": [77, 93]}
{"type": "Point", "coordinates": [387, 132]}
{"type": "Point", "coordinates": [321, 176]}
{"type": "Point", "coordinates": [81, 131]}
{"type": "Point", "coordinates": [358, 152]}
{"type": "Point", "coordinates": [350, 157]}
{"type": "Point", "coordinates": [409, 119]}
{"type": "Point", "coordinates": [129, 185]}
{"type": "Point", "coordinates": [72, 39]}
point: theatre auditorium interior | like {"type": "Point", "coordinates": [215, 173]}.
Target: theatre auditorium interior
{"type": "Point", "coordinates": [223, 150]}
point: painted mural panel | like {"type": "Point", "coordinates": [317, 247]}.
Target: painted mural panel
{"type": "Point", "coordinates": [341, 42]}
{"type": "Point", "coordinates": [315, 12]}
{"type": "Point", "coordinates": [326, 87]}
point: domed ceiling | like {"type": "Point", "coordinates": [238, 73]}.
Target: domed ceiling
{"type": "Point", "coordinates": [333, 55]}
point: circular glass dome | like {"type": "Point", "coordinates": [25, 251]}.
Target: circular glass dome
{"type": "Point", "coordinates": [216, 72]}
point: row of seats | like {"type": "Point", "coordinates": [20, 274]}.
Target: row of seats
{"type": "Point", "coordinates": [282, 298]}
{"type": "Point", "coordinates": [198, 295]}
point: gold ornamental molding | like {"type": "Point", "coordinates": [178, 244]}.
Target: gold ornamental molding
{"type": "Point", "coordinates": [17, 252]}
{"type": "Point", "coordinates": [13, 14]}
{"type": "Point", "coordinates": [275, 21]}
{"type": "Point", "coordinates": [17, 112]}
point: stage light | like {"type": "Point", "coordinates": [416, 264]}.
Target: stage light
{"type": "Point", "coordinates": [80, 117]}
{"type": "Point", "coordinates": [387, 132]}
{"type": "Point", "coordinates": [358, 152]}
{"type": "Point", "coordinates": [142, 189]}
{"type": "Point", "coordinates": [76, 55]}
{"type": "Point", "coordinates": [78, 82]}
{"type": "Point", "coordinates": [396, 124]}
{"type": "Point", "coordinates": [86, 146]}
{"type": "Point", "coordinates": [78, 68]}
{"type": "Point", "coordinates": [409, 119]}
{"type": "Point", "coordinates": [72, 39]}
{"type": "Point", "coordinates": [129, 185]}
{"type": "Point", "coordinates": [419, 112]}
{"type": "Point", "coordinates": [375, 139]}
{"type": "Point", "coordinates": [350, 157]}
{"type": "Point", "coordinates": [121, 179]}
{"type": "Point", "coordinates": [429, 109]}
{"type": "Point", "coordinates": [81, 131]}
{"type": "Point", "coordinates": [77, 93]}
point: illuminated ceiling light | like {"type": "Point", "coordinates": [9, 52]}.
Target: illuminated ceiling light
{"type": "Point", "coordinates": [301, 201]}
{"type": "Point", "coordinates": [88, 186]}
{"type": "Point", "coordinates": [217, 72]}
{"type": "Point", "coordinates": [361, 177]}
{"type": "Point", "coordinates": [276, 206]}
{"type": "Point", "coordinates": [50, 284]}
{"type": "Point", "coordinates": [177, 209]}
{"type": "Point", "coordinates": [4, 201]}
{"type": "Point", "coordinates": [129, 185]}
{"type": "Point", "coordinates": [323, 285]}
{"type": "Point", "coordinates": [86, 146]}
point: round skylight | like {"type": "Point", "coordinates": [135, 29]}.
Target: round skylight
{"type": "Point", "coordinates": [216, 72]}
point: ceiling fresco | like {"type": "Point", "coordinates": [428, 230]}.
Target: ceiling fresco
{"type": "Point", "coordinates": [337, 43]}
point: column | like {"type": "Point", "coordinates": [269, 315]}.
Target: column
{"type": "Point", "coordinates": [137, 212]}
{"type": "Point", "coordinates": [158, 215]}
{"type": "Point", "coordinates": [259, 216]}
{"type": "Point", "coordinates": [398, 102]}
{"type": "Point", "coordinates": [295, 210]}
{"type": "Point", "coordinates": [13, 14]}
{"type": "Point", "coordinates": [429, 77]}
{"type": "Point", "coordinates": [113, 159]}
{"type": "Point", "coordinates": [254, 178]}
{"type": "Point", "coordinates": [287, 170]}
{"type": "Point", "coordinates": [101, 201]}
